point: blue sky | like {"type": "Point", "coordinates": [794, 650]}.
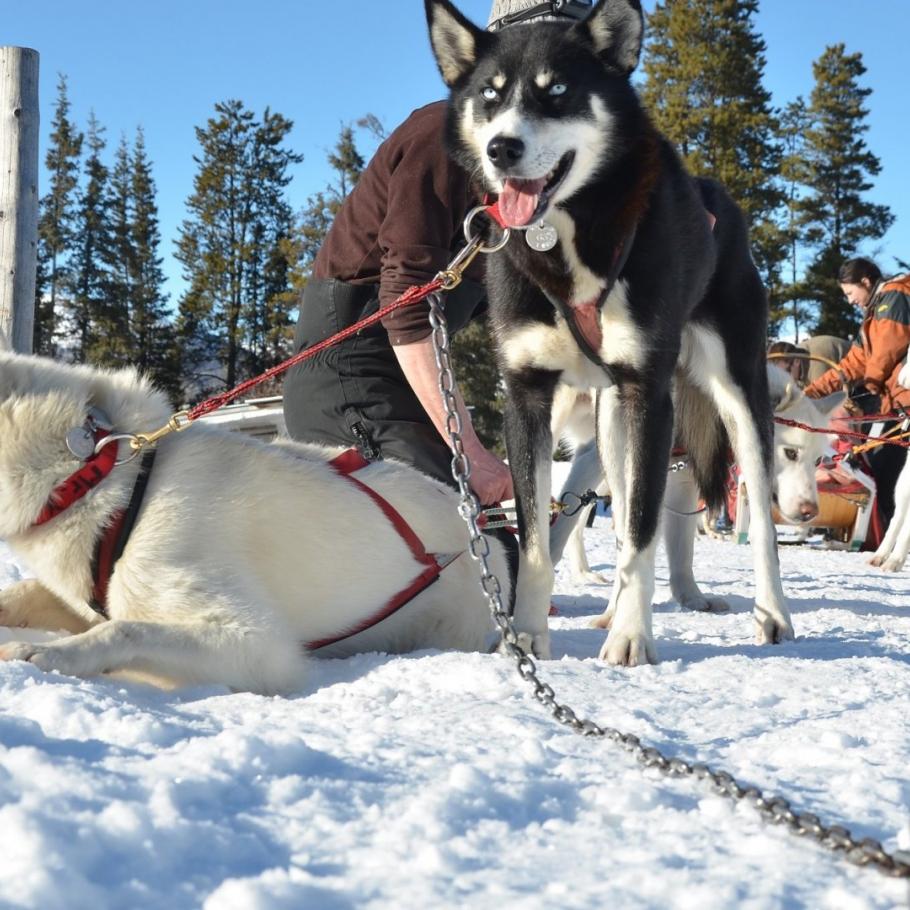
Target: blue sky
{"type": "Point", "coordinates": [324, 63]}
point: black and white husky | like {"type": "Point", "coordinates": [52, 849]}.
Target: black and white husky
{"type": "Point", "coordinates": [635, 278]}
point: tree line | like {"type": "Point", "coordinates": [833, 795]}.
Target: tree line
{"type": "Point", "coordinates": [801, 172]}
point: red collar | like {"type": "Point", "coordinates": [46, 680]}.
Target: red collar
{"type": "Point", "coordinates": [80, 482]}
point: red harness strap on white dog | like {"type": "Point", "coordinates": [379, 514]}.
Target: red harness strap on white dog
{"type": "Point", "coordinates": [80, 482]}
{"type": "Point", "coordinates": [114, 538]}
{"type": "Point", "coordinates": [346, 464]}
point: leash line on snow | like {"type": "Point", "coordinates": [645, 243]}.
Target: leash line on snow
{"type": "Point", "coordinates": [773, 809]}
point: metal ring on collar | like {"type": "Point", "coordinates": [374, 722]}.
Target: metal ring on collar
{"type": "Point", "coordinates": [468, 220]}
{"type": "Point", "coordinates": [135, 445]}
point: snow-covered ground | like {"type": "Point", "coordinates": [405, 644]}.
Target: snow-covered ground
{"type": "Point", "coordinates": [434, 780]}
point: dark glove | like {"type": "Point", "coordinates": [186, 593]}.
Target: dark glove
{"type": "Point", "coordinates": [866, 399]}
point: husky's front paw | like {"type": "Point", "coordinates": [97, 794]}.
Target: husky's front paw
{"type": "Point", "coordinates": [889, 561]}
{"type": "Point", "coordinates": [47, 657]}
{"type": "Point", "coordinates": [17, 650]}
{"type": "Point", "coordinates": [631, 649]}
{"type": "Point", "coordinates": [525, 642]}
{"type": "Point", "coordinates": [771, 629]}
{"type": "Point", "coordinates": [589, 577]}
{"type": "Point", "coordinates": [605, 620]}
{"type": "Point", "coordinates": [702, 603]}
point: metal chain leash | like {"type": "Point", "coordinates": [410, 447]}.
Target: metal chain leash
{"type": "Point", "coordinates": [773, 809]}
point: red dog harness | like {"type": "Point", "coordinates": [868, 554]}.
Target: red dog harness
{"type": "Point", "coordinates": [119, 526]}
{"type": "Point", "coordinates": [346, 464]}
{"type": "Point", "coordinates": [111, 544]}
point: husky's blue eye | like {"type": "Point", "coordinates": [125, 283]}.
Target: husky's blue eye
{"type": "Point", "coordinates": [489, 94]}
{"type": "Point", "coordinates": [558, 88]}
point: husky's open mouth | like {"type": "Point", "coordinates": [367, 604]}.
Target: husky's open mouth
{"type": "Point", "coordinates": [521, 202]}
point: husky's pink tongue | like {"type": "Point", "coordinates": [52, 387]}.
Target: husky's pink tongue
{"type": "Point", "coordinates": [518, 201]}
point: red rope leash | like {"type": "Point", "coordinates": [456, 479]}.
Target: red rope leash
{"type": "Point", "coordinates": [869, 418]}
{"type": "Point", "coordinates": [904, 443]}
{"type": "Point", "coordinates": [409, 297]}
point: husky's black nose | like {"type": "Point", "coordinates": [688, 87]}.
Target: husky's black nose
{"type": "Point", "coordinates": [504, 151]}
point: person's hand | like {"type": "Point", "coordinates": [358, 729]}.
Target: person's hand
{"type": "Point", "coordinates": [491, 479]}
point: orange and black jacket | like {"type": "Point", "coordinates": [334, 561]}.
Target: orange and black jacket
{"type": "Point", "coordinates": [879, 349]}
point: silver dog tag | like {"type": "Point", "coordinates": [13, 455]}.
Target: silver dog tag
{"type": "Point", "coordinates": [81, 442]}
{"type": "Point", "coordinates": [541, 237]}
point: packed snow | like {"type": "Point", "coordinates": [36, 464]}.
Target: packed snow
{"type": "Point", "coordinates": [434, 780]}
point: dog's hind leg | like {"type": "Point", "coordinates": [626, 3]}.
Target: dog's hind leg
{"type": "Point", "coordinates": [197, 652]}
{"type": "Point", "coordinates": [679, 538]}
{"type": "Point", "coordinates": [529, 442]}
{"type": "Point", "coordinates": [747, 416]}
{"type": "Point", "coordinates": [635, 429]}
{"type": "Point", "coordinates": [29, 604]}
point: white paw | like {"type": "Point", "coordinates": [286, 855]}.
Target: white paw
{"type": "Point", "coordinates": [629, 649]}
{"type": "Point", "coordinates": [893, 564]}
{"type": "Point", "coordinates": [17, 650]}
{"type": "Point", "coordinates": [876, 559]}
{"type": "Point", "coordinates": [702, 604]}
{"type": "Point", "coordinates": [771, 629]}
{"type": "Point", "coordinates": [590, 577]}
{"type": "Point", "coordinates": [45, 657]}
{"type": "Point", "coordinates": [523, 640]}
{"type": "Point", "coordinates": [540, 645]}
{"type": "Point", "coordinates": [605, 620]}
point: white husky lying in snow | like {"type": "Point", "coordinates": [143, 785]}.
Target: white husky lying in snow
{"type": "Point", "coordinates": [796, 453]}
{"type": "Point", "coordinates": [242, 556]}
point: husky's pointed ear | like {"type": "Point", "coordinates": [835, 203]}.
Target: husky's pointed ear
{"type": "Point", "coordinates": [781, 389]}
{"type": "Point", "coordinates": [616, 29]}
{"type": "Point", "coordinates": [454, 38]}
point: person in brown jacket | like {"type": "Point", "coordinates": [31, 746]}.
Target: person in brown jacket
{"type": "Point", "coordinates": [400, 225]}
{"type": "Point", "coordinates": [873, 362]}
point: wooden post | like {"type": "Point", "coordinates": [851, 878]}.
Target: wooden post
{"type": "Point", "coordinates": [18, 193]}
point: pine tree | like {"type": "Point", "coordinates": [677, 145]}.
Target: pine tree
{"type": "Point", "coordinates": [151, 333]}
{"type": "Point", "coordinates": [116, 346]}
{"type": "Point", "coordinates": [837, 219]}
{"type": "Point", "coordinates": [56, 221]}
{"type": "Point", "coordinates": [348, 164]}
{"type": "Point", "coordinates": [704, 63]}
{"type": "Point", "coordinates": [793, 305]}
{"type": "Point", "coordinates": [312, 224]}
{"type": "Point", "coordinates": [88, 340]}
{"type": "Point", "coordinates": [227, 239]}
{"type": "Point", "coordinates": [267, 313]}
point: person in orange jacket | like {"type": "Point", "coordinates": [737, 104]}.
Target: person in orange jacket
{"type": "Point", "coordinates": [874, 361]}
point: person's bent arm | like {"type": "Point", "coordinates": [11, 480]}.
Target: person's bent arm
{"type": "Point", "coordinates": [490, 480]}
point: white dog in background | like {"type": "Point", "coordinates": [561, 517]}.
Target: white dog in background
{"type": "Point", "coordinates": [892, 552]}
{"type": "Point", "coordinates": [796, 453]}
{"type": "Point", "coordinates": [243, 553]}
